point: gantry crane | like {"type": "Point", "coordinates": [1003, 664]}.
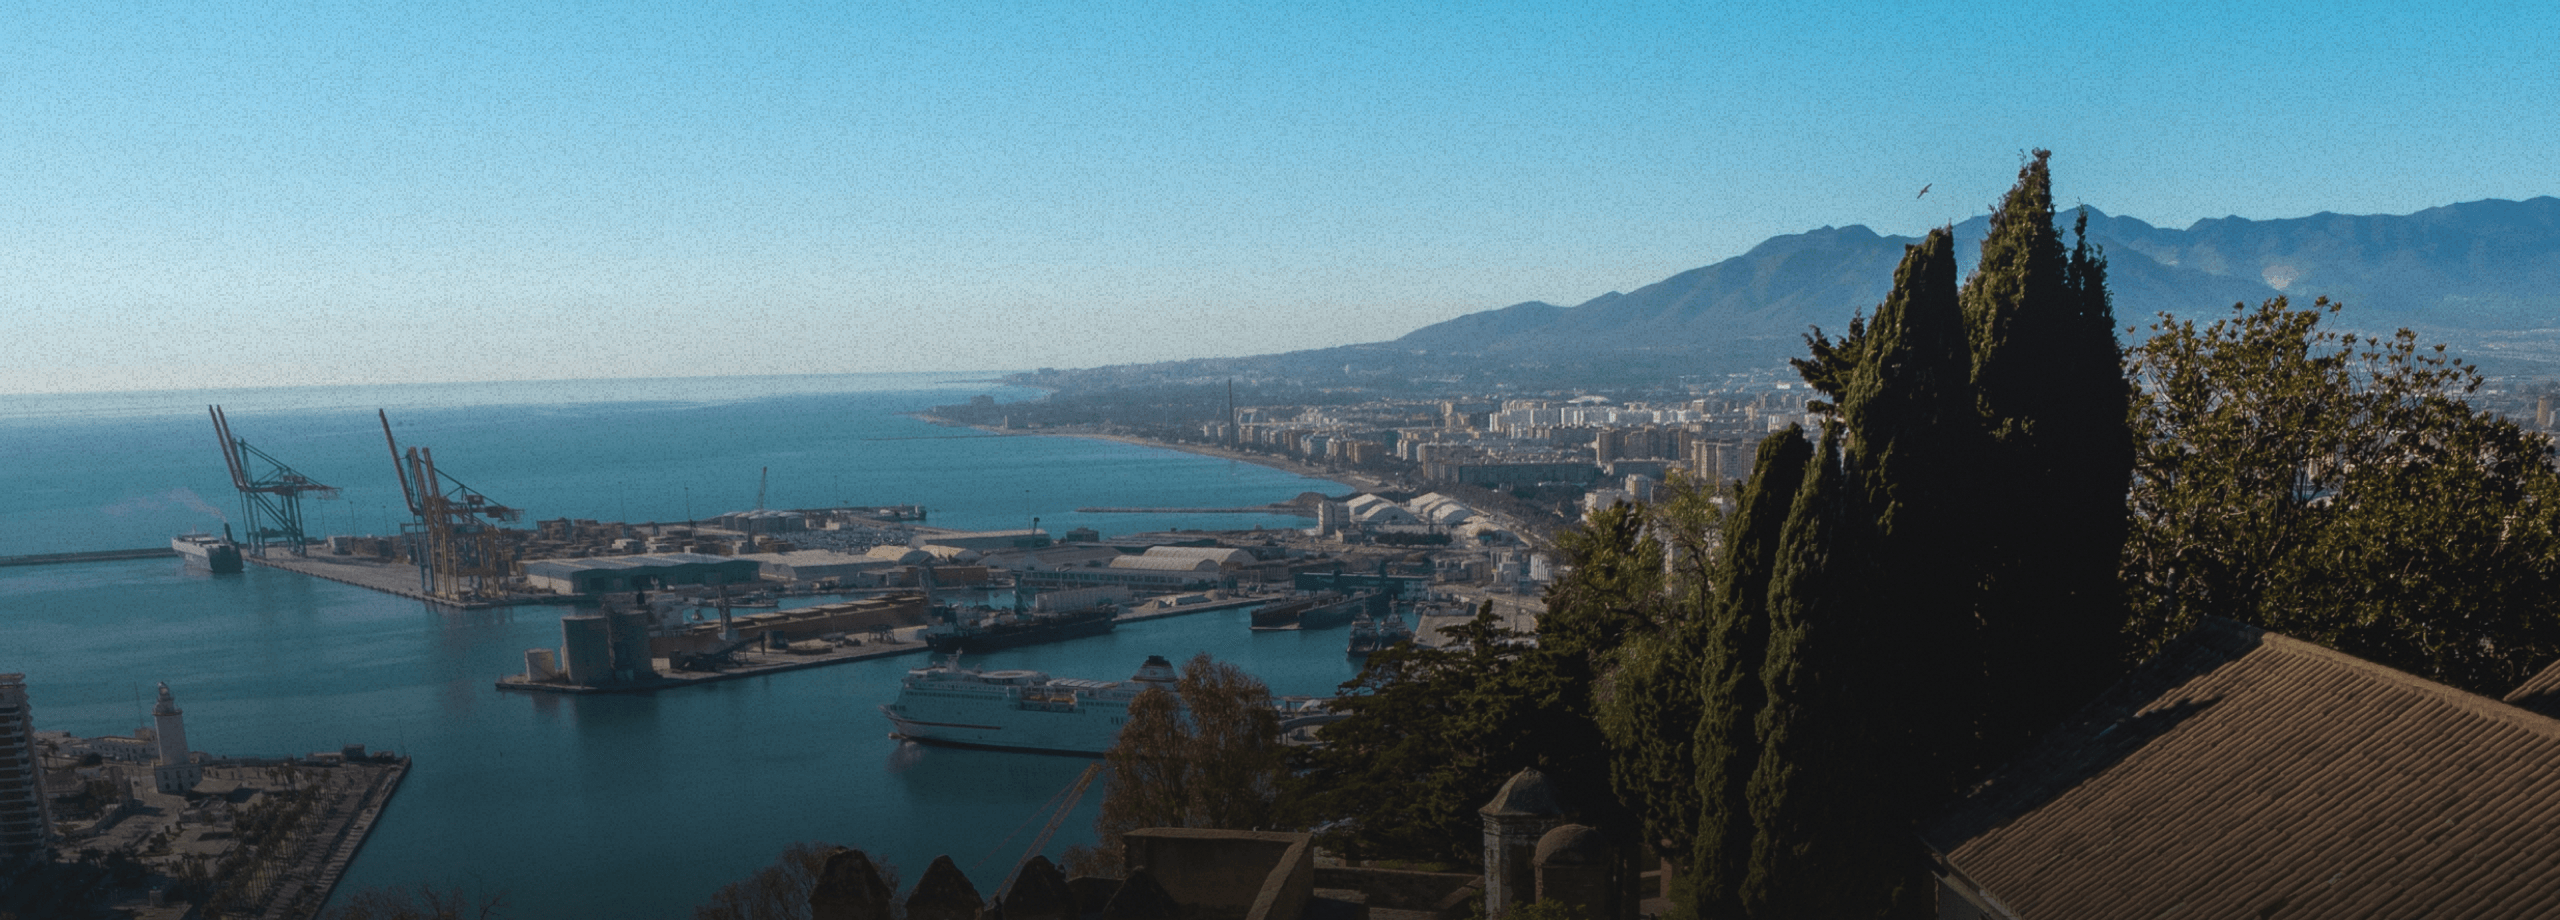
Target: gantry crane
{"type": "Point", "coordinates": [271, 502]}
{"type": "Point", "coordinates": [456, 550]}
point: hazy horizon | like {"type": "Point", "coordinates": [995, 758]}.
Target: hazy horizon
{"type": "Point", "coordinates": [222, 198]}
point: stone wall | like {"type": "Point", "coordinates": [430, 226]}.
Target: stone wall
{"type": "Point", "coordinates": [1227, 875]}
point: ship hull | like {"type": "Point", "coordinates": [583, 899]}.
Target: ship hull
{"type": "Point", "coordinates": [1011, 636]}
{"type": "Point", "coordinates": [1064, 734]}
{"type": "Point", "coordinates": [1338, 613]}
{"type": "Point", "coordinates": [1283, 614]}
{"type": "Point", "coordinates": [1302, 613]}
{"type": "Point", "coordinates": [217, 556]}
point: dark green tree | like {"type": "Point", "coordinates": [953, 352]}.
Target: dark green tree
{"type": "Point", "coordinates": [1822, 828]}
{"type": "Point", "coordinates": [1402, 775]}
{"type": "Point", "coordinates": [1734, 646]}
{"type": "Point", "coordinates": [2048, 382]}
{"type": "Point", "coordinates": [2339, 489]}
{"type": "Point", "coordinates": [1651, 680]}
{"type": "Point", "coordinates": [1432, 733]}
{"type": "Point", "coordinates": [1911, 439]}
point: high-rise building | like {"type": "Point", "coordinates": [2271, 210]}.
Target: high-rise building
{"type": "Point", "coordinates": [26, 826]}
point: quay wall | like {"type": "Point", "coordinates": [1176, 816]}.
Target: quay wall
{"type": "Point", "coordinates": [101, 555]}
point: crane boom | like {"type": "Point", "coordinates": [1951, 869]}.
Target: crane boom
{"type": "Point", "coordinates": [1075, 793]}
{"type": "Point", "coordinates": [270, 494]}
{"type": "Point", "coordinates": [406, 493]}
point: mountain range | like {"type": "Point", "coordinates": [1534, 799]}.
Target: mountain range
{"type": "Point", "coordinates": [2482, 275]}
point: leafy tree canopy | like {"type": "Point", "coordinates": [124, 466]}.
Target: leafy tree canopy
{"type": "Point", "coordinates": [2339, 489]}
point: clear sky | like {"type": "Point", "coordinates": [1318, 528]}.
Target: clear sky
{"type": "Point", "coordinates": [216, 195]}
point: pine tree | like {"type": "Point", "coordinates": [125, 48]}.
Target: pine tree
{"type": "Point", "coordinates": [1735, 645]}
{"type": "Point", "coordinates": [2049, 386]}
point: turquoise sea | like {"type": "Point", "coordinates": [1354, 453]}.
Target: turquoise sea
{"type": "Point", "coordinates": [603, 807]}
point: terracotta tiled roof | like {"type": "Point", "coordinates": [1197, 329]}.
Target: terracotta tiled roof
{"type": "Point", "coordinates": [2541, 693]}
{"type": "Point", "coordinates": [2245, 774]}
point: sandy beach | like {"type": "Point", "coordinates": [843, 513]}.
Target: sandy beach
{"type": "Point", "coordinates": [1353, 481]}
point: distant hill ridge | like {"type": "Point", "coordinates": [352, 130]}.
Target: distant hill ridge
{"type": "Point", "coordinates": [2477, 267]}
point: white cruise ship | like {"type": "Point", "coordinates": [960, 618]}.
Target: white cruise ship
{"type": "Point", "coordinates": [1018, 710]}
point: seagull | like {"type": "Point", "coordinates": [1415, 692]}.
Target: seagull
{"type": "Point", "coordinates": [1924, 191]}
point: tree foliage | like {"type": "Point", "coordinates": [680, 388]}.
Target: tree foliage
{"type": "Point", "coordinates": [2339, 489]}
{"type": "Point", "coordinates": [1735, 644]}
{"type": "Point", "coordinates": [1651, 679]}
{"type": "Point", "coordinates": [1206, 754]}
{"type": "Point", "coordinates": [423, 902]}
{"type": "Point", "coordinates": [2049, 485]}
{"type": "Point", "coordinates": [1943, 585]}
{"type": "Point", "coordinates": [1825, 822]}
{"type": "Point", "coordinates": [775, 892]}
{"type": "Point", "coordinates": [1431, 733]}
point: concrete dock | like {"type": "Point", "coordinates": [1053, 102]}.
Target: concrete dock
{"type": "Point", "coordinates": [103, 555]}
{"type": "Point", "coordinates": [398, 578]}
{"type": "Point", "coordinates": [907, 640]}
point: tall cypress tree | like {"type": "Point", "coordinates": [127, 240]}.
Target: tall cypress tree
{"type": "Point", "coordinates": [1736, 645]}
{"type": "Point", "coordinates": [1912, 435]}
{"type": "Point", "coordinates": [1872, 602]}
{"type": "Point", "coordinates": [1825, 831]}
{"type": "Point", "coordinates": [2049, 387]}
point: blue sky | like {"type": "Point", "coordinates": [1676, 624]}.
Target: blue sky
{"type": "Point", "coordinates": [318, 194]}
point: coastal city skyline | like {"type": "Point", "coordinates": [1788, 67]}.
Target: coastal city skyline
{"type": "Point", "coordinates": [444, 193]}
{"type": "Point", "coordinates": [821, 438]}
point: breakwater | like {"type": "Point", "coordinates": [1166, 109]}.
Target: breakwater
{"type": "Point", "coordinates": [101, 555]}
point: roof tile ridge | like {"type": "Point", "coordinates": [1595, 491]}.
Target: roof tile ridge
{"type": "Point", "coordinates": [2457, 698]}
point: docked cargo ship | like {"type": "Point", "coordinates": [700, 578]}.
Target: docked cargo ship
{"type": "Point", "coordinates": [209, 552]}
{"type": "Point", "coordinates": [1018, 710]}
{"type": "Point", "coordinates": [978, 628]}
{"type": "Point", "coordinates": [1322, 610]}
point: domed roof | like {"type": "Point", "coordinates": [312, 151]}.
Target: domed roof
{"type": "Point", "coordinates": [901, 555]}
{"type": "Point", "coordinates": [1527, 793]}
{"type": "Point", "coordinates": [1572, 845]}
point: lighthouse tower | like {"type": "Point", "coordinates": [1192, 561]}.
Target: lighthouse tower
{"type": "Point", "coordinates": [176, 772]}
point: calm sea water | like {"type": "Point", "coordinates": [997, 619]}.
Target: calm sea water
{"type": "Point", "coordinates": [605, 807]}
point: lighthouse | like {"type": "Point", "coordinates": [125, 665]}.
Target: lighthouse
{"type": "Point", "coordinates": [176, 772]}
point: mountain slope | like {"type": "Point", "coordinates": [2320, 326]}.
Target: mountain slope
{"type": "Point", "coordinates": [2479, 270]}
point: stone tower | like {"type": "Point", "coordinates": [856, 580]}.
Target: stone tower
{"type": "Point", "coordinates": [25, 824]}
{"type": "Point", "coordinates": [1520, 814]}
{"type": "Point", "coordinates": [176, 771]}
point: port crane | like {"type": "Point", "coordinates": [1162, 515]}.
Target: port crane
{"type": "Point", "coordinates": [270, 501]}
{"type": "Point", "coordinates": [1057, 808]}
{"type": "Point", "coordinates": [455, 538]}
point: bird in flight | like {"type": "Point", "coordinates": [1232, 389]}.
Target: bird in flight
{"type": "Point", "coordinates": [1924, 191]}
